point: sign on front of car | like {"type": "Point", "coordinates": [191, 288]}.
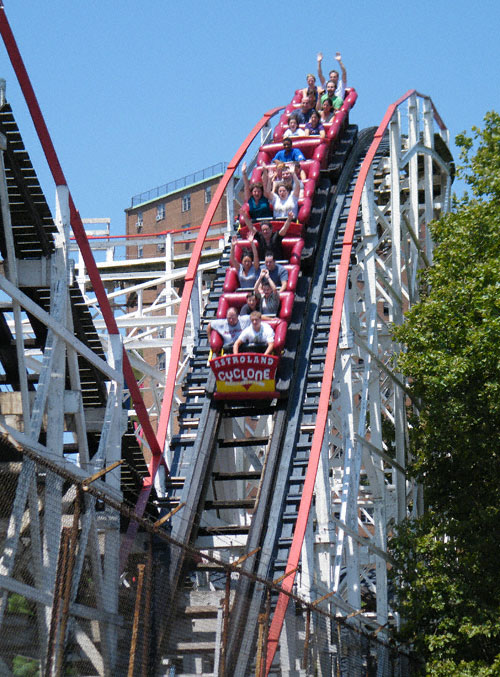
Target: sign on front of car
{"type": "Point", "coordinates": [245, 376]}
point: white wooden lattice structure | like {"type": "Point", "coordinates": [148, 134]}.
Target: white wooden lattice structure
{"type": "Point", "coordinates": [361, 489]}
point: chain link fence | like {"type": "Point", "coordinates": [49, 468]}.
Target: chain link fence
{"type": "Point", "coordinates": [69, 607]}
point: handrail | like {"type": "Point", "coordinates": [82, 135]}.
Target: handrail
{"type": "Point", "coordinates": [172, 231]}
{"type": "Point", "coordinates": [75, 220]}
{"type": "Point", "coordinates": [324, 398]}
{"type": "Point", "coordinates": [171, 186]}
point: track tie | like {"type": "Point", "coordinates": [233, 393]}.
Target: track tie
{"type": "Point", "coordinates": [242, 503]}
{"type": "Point", "coordinates": [205, 611]}
{"type": "Point", "coordinates": [229, 530]}
{"type": "Point", "coordinates": [191, 423]}
{"type": "Point", "coordinates": [193, 392]}
{"type": "Point", "coordinates": [244, 442]}
{"type": "Point", "coordinates": [194, 647]}
{"type": "Point", "coordinates": [248, 475]}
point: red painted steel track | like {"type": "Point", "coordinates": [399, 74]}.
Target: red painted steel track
{"type": "Point", "coordinates": [324, 399]}
{"type": "Point", "coordinates": [190, 279]}
{"type": "Point", "coordinates": [168, 393]}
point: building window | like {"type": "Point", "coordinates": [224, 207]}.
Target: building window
{"type": "Point", "coordinates": [140, 251]}
{"type": "Point", "coordinates": [160, 247]}
{"type": "Point", "coordinates": [186, 202]}
{"type": "Point", "coordinates": [139, 222]}
{"type": "Point", "coordinates": [161, 333]}
{"type": "Point", "coordinates": [160, 212]}
{"type": "Point", "coordinates": [161, 361]}
{"type": "Point", "coordinates": [208, 194]}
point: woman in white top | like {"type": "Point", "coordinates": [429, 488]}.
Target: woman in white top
{"type": "Point", "coordinates": [286, 178]}
{"type": "Point", "coordinates": [293, 128]}
{"type": "Point", "coordinates": [285, 200]}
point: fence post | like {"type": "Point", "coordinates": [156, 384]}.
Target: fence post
{"type": "Point", "coordinates": [147, 610]}
{"type": "Point", "coordinates": [135, 627]}
{"type": "Point", "coordinates": [68, 579]}
{"type": "Point", "coordinates": [58, 591]}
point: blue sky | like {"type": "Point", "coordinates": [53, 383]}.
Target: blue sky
{"type": "Point", "coordinates": [138, 93]}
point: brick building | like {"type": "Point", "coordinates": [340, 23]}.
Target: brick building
{"type": "Point", "coordinates": [179, 205]}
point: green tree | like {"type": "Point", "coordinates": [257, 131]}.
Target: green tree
{"type": "Point", "coordinates": [448, 562]}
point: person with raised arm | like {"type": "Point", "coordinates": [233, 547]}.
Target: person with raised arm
{"type": "Point", "coordinates": [286, 200]}
{"type": "Point", "coordinates": [258, 335]}
{"type": "Point", "coordinates": [267, 240]}
{"type": "Point", "coordinates": [269, 294]}
{"type": "Point", "coordinates": [248, 269]}
{"type": "Point", "coordinates": [258, 204]}
{"type": "Point", "coordinates": [340, 84]}
{"type": "Point", "coordinates": [287, 178]}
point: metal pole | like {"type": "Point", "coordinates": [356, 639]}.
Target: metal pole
{"type": "Point", "coordinates": [339, 650]}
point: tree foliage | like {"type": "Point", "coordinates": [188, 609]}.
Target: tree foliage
{"type": "Point", "coordinates": [448, 561]}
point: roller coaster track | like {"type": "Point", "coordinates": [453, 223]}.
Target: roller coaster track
{"type": "Point", "coordinates": [302, 413]}
{"type": "Point", "coordinates": [293, 485]}
{"type": "Point", "coordinates": [304, 488]}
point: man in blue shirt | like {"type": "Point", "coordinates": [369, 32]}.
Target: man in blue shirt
{"type": "Point", "coordinates": [289, 154]}
{"type": "Point", "coordinates": [275, 271]}
{"type": "Point", "coordinates": [307, 106]}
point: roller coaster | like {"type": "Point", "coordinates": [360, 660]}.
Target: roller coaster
{"type": "Point", "coordinates": [296, 477]}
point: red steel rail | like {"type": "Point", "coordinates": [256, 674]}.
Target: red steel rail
{"type": "Point", "coordinates": [168, 393]}
{"type": "Point", "coordinates": [75, 220]}
{"type": "Point", "coordinates": [324, 399]}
